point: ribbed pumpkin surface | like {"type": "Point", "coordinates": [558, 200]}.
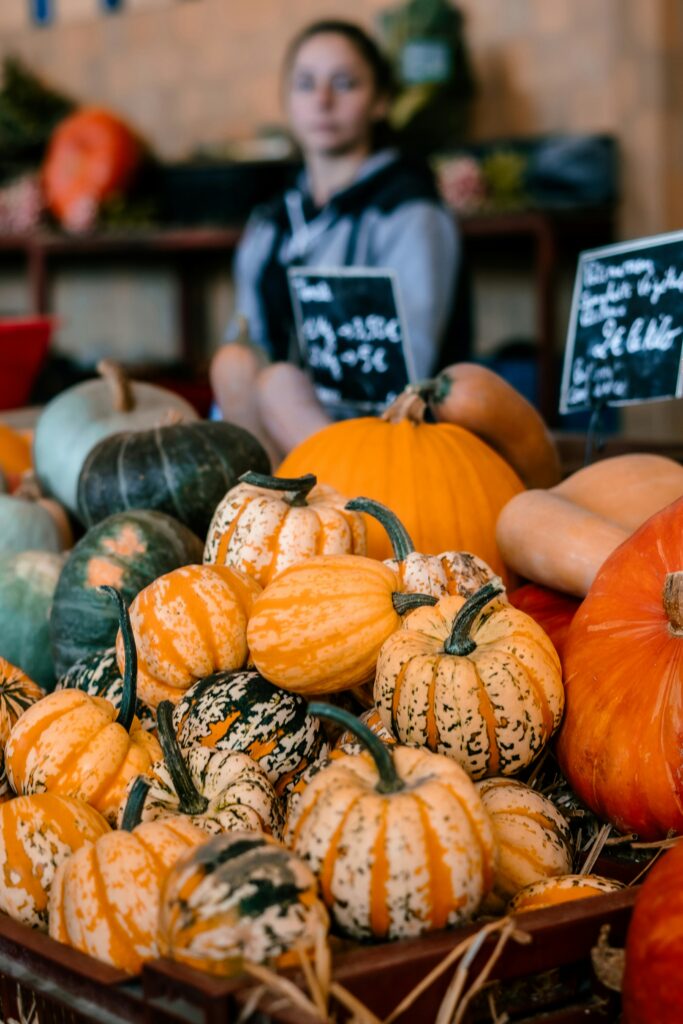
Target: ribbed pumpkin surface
{"type": "Point", "coordinates": [620, 742]}
{"type": "Point", "coordinates": [17, 693]}
{"type": "Point", "coordinates": [37, 834]}
{"type": "Point", "coordinates": [127, 550]}
{"type": "Point", "coordinates": [445, 485]}
{"type": "Point", "coordinates": [98, 675]}
{"type": "Point", "coordinates": [183, 470]}
{"type": "Point", "coordinates": [105, 899]}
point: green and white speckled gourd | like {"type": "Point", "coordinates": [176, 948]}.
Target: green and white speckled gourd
{"type": "Point", "coordinates": [243, 711]}
{"type": "Point", "coordinates": [240, 898]}
{"type": "Point", "coordinates": [74, 421]}
{"type": "Point", "coordinates": [397, 836]}
{"type": "Point", "coordinates": [99, 675]}
{"type": "Point", "coordinates": [217, 790]}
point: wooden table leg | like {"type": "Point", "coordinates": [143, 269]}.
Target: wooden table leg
{"type": "Point", "coordinates": [37, 278]}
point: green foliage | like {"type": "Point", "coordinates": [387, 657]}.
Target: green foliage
{"type": "Point", "coordinates": [29, 111]}
{"type": "Point", "coordinates": [504, 174]}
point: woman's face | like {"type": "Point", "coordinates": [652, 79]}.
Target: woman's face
{"type": "Point", "coordinates": [332, 98]}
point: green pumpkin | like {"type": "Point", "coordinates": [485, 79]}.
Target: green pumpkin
{"type": "Point", "coordinates": [243, 711]}
{"type": "Point", "coordinates": [98, 675]}
{"type": "Point", "coordinates": [26, 526]}
{"type": "Point", "coordinates": [73, 422]}
{"type": "Point", "coordinates": [128, 551]}
{"type": "Point", "coordinates": [27, 587]}
{"type": "Point", "coordinates": [184, 470]}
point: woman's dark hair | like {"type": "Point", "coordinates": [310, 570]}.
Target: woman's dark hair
{"type": "Point", "coordinates": [370, 52]}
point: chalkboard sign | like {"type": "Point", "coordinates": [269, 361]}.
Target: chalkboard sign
{"type": "Point", "coordinates": [352, 335]}
{"type": "Point", "coordinates": [626, 327]}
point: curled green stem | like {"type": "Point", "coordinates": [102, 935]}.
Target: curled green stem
{"type": "Point", "coordinates": [132, 812]}
{"type": "Point", "coordinates": [401, 543]}
{"type": "Point", "coordinates": [404, 603]}
{"type": "Point", "coordinates": [130, 671]}
{"type": "Point", "coordinates": [389, 779]}
{"type": "Point", "coordinates": [191, 800]}
{"type": "Point", "coordinates": [298, 486]}
{"type": "Point", "coordinates": [460, 642]}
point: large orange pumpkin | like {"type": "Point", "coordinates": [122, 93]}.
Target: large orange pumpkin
{"type": "Point", "coordinates": [445, 485]}
{"type": "Point", "coordinates": [621, 739]}
{"type": "Point", "coordinates": [92, 155]}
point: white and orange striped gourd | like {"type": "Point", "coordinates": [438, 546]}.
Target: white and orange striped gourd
{"type": "Point", "coordinates": [266, 523]}
{"type": "Point", "coordinates": [189, 623]}
{"type": "Point", "coordinates": [398, 838]}
{"type": "Point", "coordinates": [477, 680]}
{"type": "Point", "coordinates": [564, 889]}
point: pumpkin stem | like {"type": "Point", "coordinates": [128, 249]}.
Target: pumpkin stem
{"type": "Point", "coordinates": [408, 406]}
{"type": "Point", "coordinates": [389, 779]}
{"type": "Point", "coordinates": [460, 642]}
{"type": "Point", "coordinates": [404, 603]}
{"type": "Point", "coordinates": [673, 602]}
{"type": "Point", "coordinates": [401, 543]}
{"type": "Point", "coordinates": [299, 486]}
{"type": "Point", "coordinates": [29, 487]}
{"type": "Point", "coordinates": [132, 812]}
{"type": "Point", "coordinates": [130, 671]}
{"type": "Point", "coordinates": [191, 800]}
{"type": "Point", "coordinates": [122, 392]}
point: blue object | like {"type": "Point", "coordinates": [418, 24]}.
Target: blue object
{"type": "Point", "coordinates": [42, 11]}
{"type": "Point", "coordinates": [112, 5]}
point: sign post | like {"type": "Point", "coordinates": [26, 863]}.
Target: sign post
{"type": "Point", "coordinates": [352, 335]}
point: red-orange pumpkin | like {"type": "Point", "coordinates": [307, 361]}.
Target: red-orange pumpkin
{"type": "Point", "coordinates": [92, 155]}
{"type": "Point", "coordinates": [653, 980]}
{"type": "Point", "coordinates": [553, 611]}
{"type": "Point", "coordinates": [621, 740]}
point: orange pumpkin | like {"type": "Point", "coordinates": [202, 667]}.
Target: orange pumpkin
{"type": "Point", "coordinates": [620, 743]}
{"type": "Point", "coordinates": [77, 745]}
{"type": "Point", "coordinates": [187, 624]}
{"type": "Point", "coordinates": [15, 454]}
{"type": "Point", "coordinates": [92, 156]}
{"type": "Point", "coordinates": [445, 485]}
{"type": "Point", "coordinates": [105, 898]}
{"type": "Point", "coordinates": [319, 626]}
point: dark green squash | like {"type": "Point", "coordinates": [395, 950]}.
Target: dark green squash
{"type": "Point", "coordinates": [127, 550]}
{"type": "Point", "coordinates": [243, 711]}
{"type": "Point", "coordinates": [184, 470]}
{"type": "Point", "coordinates": [98, 675]}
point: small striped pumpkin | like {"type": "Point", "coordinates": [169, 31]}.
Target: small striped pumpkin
{"type": "Point", "coordinates": [187, 624]}
{"type": "Point", "coordinates": [451, 572]}
{"type": "Point", "coordinates": [266, 523]}
{"type": "Point", "coordinates": [242, 711]}
{"type": "Point", "coordinates": [476, 680]}
{"type": "Point", "coordinates": [217, 790]}
{"type": "Point", "coordinates": [532, 836]}
{"type": "Point", "coordinates": [240, 897]}
{"type": "Point", "coordinates": [318, 627]}
{"type": "Point", "coordinates": [105, 898]}
{"type": "Point", "coordinates": [98, 675]}
{"type": "Point", "coordinates": [564, 889]}
{"type": "Point", "coordinates": [37, 834]}
{"type": "Point", "coordinates": [398, 838]}
{"type": "Point", "coordinates": [76, 745]}
{"type": "Point", "coordinates": [349, 743]}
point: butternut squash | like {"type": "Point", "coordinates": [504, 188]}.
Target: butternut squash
{"type": "Point", "coordinates": [233, 373]}
{"type": "Point", "coordinates": [288, 405]}
{"type": "Point", "coordinates": [626, 489]}
{"type": "Point", "coordinates": [549, 539]}
{"type": "Point", "coordinates": [476, 398]}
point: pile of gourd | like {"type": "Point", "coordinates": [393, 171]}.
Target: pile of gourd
{"type": "Point", "coordinates": [277, 701]}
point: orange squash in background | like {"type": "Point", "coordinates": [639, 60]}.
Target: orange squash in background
{"type": "Point", "coordinates": [444, 484]}
{"type": "Point", "coordinates": [92, 156]}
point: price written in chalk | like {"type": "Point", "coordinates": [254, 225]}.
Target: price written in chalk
{"type": "Point", "coordinates": [351, 335]}
{"type": "Point", "coordinates": [625, 337]}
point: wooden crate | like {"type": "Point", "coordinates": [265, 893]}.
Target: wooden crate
{"type": "Point", "coordinates": [548, 981]}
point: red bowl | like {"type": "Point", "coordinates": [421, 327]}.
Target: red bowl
{"type": "Point", "coordinates": [24, 344]}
